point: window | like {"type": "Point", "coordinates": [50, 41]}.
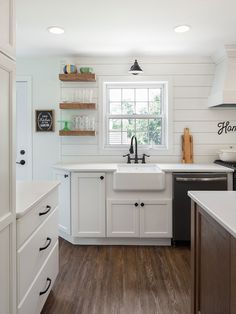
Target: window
{"type": "Point", "coordinates": [136, 109]}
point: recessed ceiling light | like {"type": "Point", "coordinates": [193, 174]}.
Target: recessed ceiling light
{"type": "Point", "coordinates": [182, 28]}
{"type": "Point", "coordinates": [56, 30]}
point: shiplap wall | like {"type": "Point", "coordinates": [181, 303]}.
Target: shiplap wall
{"type": "Point", "coordinates": [192, 80]}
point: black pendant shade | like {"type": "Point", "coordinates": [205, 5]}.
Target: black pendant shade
{"type": "Point", "coordinates": [135, 69]}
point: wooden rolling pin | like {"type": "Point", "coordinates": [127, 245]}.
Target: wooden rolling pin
{"type": "Point", "coordinates": [187, 147]}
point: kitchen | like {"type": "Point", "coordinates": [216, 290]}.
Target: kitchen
{"type": "Point", "coordinates": [124, 221]}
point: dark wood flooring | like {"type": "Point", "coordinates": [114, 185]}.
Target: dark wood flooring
{"type": "Point", "coordinates": [121, 280]}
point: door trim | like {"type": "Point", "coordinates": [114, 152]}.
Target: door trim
{"type": "Point", "coordinates": [28, 80]}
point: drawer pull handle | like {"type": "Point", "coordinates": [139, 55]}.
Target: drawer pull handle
{"type": "Point", "coordinates": [102, 177]}
{"type": "Point", "coordinates": [48, 208]}
{"type": "Point", "coordinates": [46, 290]}
{"type": "Point", "coordinates": [142, 204]}
{"type": "Point", "coordinates": [47, 245]}
{"type": "Point", "coordinates": [136, 204]}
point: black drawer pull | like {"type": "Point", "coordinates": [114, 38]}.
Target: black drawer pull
{"type": "Point", "coordinates": [66, 175]}
{"type": "Point", "coordinates": [142, 204]}
{"type": "Point", "coordinates": [47, 245]}
{"type": "Point", "coordinates": [102, 177]}
{"type": "Point", "coordinates": [136, 204]}
{"type": "Point", "coordinates": [46, 290]}
{"type": "Point", "coordinates": [48, 210]}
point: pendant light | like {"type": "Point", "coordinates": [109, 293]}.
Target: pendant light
{"type": "Point", "coordinates": [135, 69]}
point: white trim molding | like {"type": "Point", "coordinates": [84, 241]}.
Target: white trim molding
{"type": "Point", "coordinates": [167, 148]}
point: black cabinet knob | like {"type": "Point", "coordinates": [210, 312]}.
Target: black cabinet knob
{"type": "Point", "coordinates": [66, 175]}
{"type": "Point", "coordinates": [142, 204]}
{"type": "Point", "coordinates": [136, 204]}
{"type": "Point", "coordinates": [21, 162]}
{"type": "Point", "coordinates": [102, 177]}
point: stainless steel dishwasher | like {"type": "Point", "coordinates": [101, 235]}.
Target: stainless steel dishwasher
{"type": "Point", "coordinates": [182, 183]}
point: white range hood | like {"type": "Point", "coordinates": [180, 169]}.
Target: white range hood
{"type": "Point", "coordinates": [223, 92]}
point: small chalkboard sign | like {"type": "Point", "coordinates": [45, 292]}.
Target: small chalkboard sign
{"type": "Point", "coordinates": [44, 120]}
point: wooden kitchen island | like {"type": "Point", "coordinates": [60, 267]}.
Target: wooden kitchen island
{"type": "Point", "coordinates": [213, 252]}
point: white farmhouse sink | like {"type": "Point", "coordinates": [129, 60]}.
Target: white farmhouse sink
{"type": "Point", "coordinates": [131, 177]}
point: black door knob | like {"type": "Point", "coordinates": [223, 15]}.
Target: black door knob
{"type": "Point", "coordinates": [142, 204]}
{"type": "Point", "coordinates": [22, 152]}
{"type": "Point", "coordinates": [102, 177]}
{"type": "Point", "coordinates": [22, 162]}
{"type": "Point", "coordinates": [136, 204]}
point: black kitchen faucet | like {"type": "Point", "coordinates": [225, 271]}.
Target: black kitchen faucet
{"type": "Point", "coordinates": [131, 150]}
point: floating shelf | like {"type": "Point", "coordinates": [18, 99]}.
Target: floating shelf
{"type": "Point", "coordinates": [78, 77]}
{"type": "Point", "coordinates": [77, 133]}
{"type": "Point", "coordinates": [77, 105]}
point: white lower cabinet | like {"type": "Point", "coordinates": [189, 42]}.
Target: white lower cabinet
{"type": "Point", "coordinates": [37, 253]}
{"type": "Point", "coordinates": [155, 219]}
{"type": "Point", "coordinates": [41, 287]}
{"type": "Point", "coordinates": [64, 200]}
{"type": "Point", "coordinates": [122, 218]}
{"type": "Point", "coordinates": [135, 218]}
{"type": "Point", "coordinates": [88, 204]}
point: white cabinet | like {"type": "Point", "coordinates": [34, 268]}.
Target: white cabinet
{"type": "Point", "coordinates": [7, 184]}
{"type": "Point", "coordinates": [7, 27]}
{"type": "Point", "coordinates": [139, 218]}
{"type": "Point", "coordinates": [155, 219]}
{"type": "Point", "coordinates": [122, 218]}
{"type": "Point", "coordinates": [64, 200]}
{"type": "Point", "coordinates": [88, 204]}
{"type": "Point", "coordinates": [5, 270]}
{"type": "Point", "coordinates": [37, 252]}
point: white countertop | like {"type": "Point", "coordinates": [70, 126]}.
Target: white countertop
{"type": "Point", "coordinates": [178, 167]}
{"type": "Point", "coordinates": [28, 194]}
{"type": "Point", "coordinates": [220, 205]}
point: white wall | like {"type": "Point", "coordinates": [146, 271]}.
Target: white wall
{"type": "Point", "coordinates": [45, 95]}
{"type": "Point", "coordinates": [191, 77]}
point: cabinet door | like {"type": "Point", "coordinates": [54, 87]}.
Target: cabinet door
{"type": "Point", "coordinates": [64, 200]}
{"type": "Point", "coordinates": [123, 218]}
{"type": "Point", "coordinates": [155, 219]}
{"type": "Point", "coordinates": [88, 204]}
{"type": "Point", "coordinates": [7, 188]}
{"type": "Point", "coordinates": [7, 27]}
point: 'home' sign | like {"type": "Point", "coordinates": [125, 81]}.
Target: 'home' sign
{"type": "Point", "coordinates": [225, 127]}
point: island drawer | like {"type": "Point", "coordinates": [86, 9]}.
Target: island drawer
{"type": "Point", "coordinates": [31, 221]}
{"type": "Point", "coordinates": [40, 289]}
{"type": "Point", "coordinates": [34, 252]}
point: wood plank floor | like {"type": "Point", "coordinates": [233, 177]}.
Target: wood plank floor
{"type": "Point", "coordinates": [121, 280]}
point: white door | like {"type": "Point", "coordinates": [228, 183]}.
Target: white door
{"type": "Point", "coordinates": [88, 204]}
{"type": "Point", "coordinates": [23, 130]}
{"type": "Point", "coordinates": [7, 187]}
{"type": "Point", "coordinates": [123, 218]}
{"type": "Point", "coordinates": [155, 219]}
{"type": "Point", "coordinates": [64, 200]}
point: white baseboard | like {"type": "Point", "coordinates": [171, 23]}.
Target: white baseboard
{"type": "Point", "coordinates": [115, 241]}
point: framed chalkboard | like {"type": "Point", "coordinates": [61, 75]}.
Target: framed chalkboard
{"type": "Point", "coordinates": [44, 120]}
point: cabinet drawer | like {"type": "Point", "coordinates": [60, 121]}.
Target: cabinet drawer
{"type": "Point", "coordinates": [37, 295]}
{"type": "Point", "coordinates": [34, 252]}
{"type": "Point", "coordinates": [28, 223]}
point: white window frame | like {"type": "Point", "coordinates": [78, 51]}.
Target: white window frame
{"type": "Point", "coordinates": [167, 147]}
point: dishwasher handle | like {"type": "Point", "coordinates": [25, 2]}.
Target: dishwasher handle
{"type": "Point", "coordinates": [201, 179]}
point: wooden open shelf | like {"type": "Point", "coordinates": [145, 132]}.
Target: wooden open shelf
{"type": "Point", "coordinates": [77, 105]}
{"type": "Point", "coordinates": [78, 77]}
{"type": "Point", "coordinates": [77, 133]}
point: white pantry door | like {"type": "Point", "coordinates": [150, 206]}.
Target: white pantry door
{"type": "Point", "coordinates": [23, 129]}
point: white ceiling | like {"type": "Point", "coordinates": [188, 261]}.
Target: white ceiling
{"type": "Point", "coordinates": [124, 27]}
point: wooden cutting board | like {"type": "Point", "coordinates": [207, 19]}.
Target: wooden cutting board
{"type": "Point", "coordinates": [187, 147]}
